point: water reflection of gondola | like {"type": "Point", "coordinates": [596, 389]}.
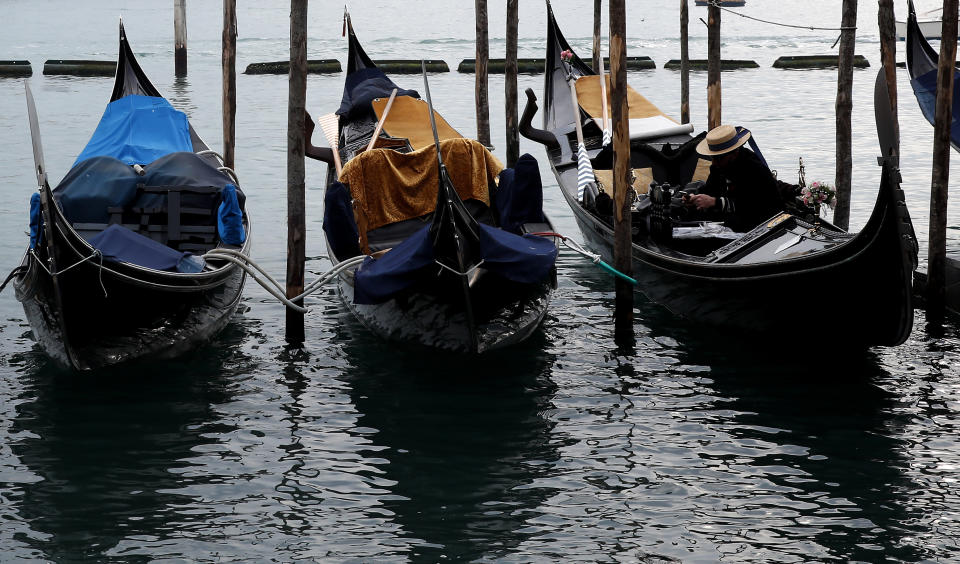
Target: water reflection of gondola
{"type": "Point", "coordinates": [799, 454]}
{"type": "Point", "coordinates": [465, 442]}
{"type": "Point", "coordinates": [109, 452]}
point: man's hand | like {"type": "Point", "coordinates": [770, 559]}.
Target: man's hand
{"type": "Point", "coordinates": [702, 201]}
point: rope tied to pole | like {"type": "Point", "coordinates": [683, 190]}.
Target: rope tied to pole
{"type": "Point", "coordinates": [716, 3]}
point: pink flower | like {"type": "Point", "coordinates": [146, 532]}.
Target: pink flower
{"type": "Point", "coordinates": [566, 55]}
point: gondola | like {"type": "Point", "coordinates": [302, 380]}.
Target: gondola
{"type": "Point", "coordinates": [758, 281]}
{"type": "Point", "coordinates": [115, 269]}
{"type": "Point", "coordinates": [452, 259]}
{"type": "Point", "coordinates": [922, 63]}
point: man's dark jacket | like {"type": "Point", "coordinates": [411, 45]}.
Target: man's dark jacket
{"type": "Point", "coordinates": [745, 190]}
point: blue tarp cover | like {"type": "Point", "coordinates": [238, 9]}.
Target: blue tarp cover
{"type": "Point", "coordinates": [138, 130]}
{"type": "Point", "coordinates": [119, 244]}
{"type": "Point", "coordinates": [230, 217]}
{"type": "Point", "coordinates": [36, 219]}
{"type": "Point", "coordinates": [526, 260]}
{"type": "Point", "coordinates": [925, 88]}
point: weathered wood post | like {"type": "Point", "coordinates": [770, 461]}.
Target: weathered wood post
{"type": "Point", "coordinates": [943, 115]}
{"type": "Point", "coordinates": [844, 109]}
{"type": "Point", "coordinates": [229, 81]}
{"type": "Point", "coordinates": [510, 83]}
{"type": "Point", "coordinates": [714, 102]}
{"type": "Point", "coordinates": [888, 58]}
{"type": "Point", "coordinates": [597, 51]}
{"type": "Point", "coordinates": [483, 56]}
{"type": "Point", "coordinates": [622, 240]}
{"type": "Point", "coordinates": [296, 183]}
{"type": "Point", "coordinates": [180, 37]}
{"type": "Point", "coordinates": [684, 63]}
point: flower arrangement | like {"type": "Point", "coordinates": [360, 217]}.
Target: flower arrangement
{"type": "Point", "coordinates": [566, 56]}
{"type": "Point", "coordinates": [819, 193]}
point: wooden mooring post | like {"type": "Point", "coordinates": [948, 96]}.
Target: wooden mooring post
{"type": "Point", "coordinates": [844, 110]}
{"type": "Point", "coordinates": [597, 12]}
{"type": "Point", "coordinates": [180, 37]}
{"type": "Point", "coordinates": [510, 83]}
{"type": "Point", "coordinates": [684, 63]}
{"type": "Point", "coordinates": [620, 115]}
{"type": "Point", "coordinates": [296, 181]}
{"type": "Point", "coordinates": [943, 115]}
{"type": "Point", "coordinates": [229, 81]}
{"type": "Point", "coordinates": [888, 58]}
{"type": "Point", "coordinates": [714, 102]}
{"type": "Point", "coordinates": [483, 56]}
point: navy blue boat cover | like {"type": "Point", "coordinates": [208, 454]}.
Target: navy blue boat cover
{"type": "Point", "coordinates": [137, 130]}
{"type": "Point", "coordinates": [365, 85]}
{"type": "Point", "coordinates": [925, 88]}
{"type": "Point", "coordinates": [519, 195]}
{"type": "Point", "coordinates": [527, 259]}
{"type": "Point", "coordinates": [339, 223]}
{"type": "Point", "coordinates": [119, 244]}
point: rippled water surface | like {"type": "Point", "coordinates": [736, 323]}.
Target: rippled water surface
{"type": "Point", "coordinates": [690, 445]}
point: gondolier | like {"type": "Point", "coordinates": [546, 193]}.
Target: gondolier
{"type": "Point", "coordinates": [740, 191]}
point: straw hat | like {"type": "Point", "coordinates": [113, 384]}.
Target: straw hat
{"type": "Point", "coordinates": [723, 139]}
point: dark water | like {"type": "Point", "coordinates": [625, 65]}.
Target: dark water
{"type": "Point", "coordinates": [690, 445]}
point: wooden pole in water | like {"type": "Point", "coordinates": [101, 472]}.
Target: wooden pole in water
{"type": "Point", "coordinates": [483, 56]}
{"type": "Point", "coordinates": [620, 110]}
{"type": "Point", "coordinates": [296, 184]}
{"type": "Point", "coordinates": [943, 115]}
{"type": "Point", "coordinates": [180, 37]}
{"type": "Point", "coordinates": [714, 105]}
{"type": "Point", "coordinates": [888, 58]}
{"type": "Point", "coordinates": [844, 109]}
{"type": "Point", "coordinates": [510, 83]}
{"type": "Point", "coordinates": [684, 63]}
{"type": "Point", "coordinates": [597, 51]}
{"type": "Point", "coordinates": [229, 81]}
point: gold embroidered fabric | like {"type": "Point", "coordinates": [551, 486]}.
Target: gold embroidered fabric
{"type": "Point", "coordinates": [388, 186]}
{"type": "Point", "coordinates": [588, 94]}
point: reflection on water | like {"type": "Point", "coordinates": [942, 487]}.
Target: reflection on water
{"type": "Point", "coordinates": [463, 440]}
{"type": "Point", "coordinates": [109, 451]}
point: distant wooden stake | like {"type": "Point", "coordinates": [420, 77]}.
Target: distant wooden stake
{"type": "Point", "coordinates": [296, 183]}
{"type": "Point", "coordinates": [622, 240]}
{"type": "Point", "coordinates": [684, 63]}
{"type": "Point", "coordinates": [483, 57]}
{"type": "Point", "coordinates": [229, 81]}
{"type": "Point", "coordinates": [714, 105]}
{"type": "Point", "coordinates": [888, 56]}
{"type": "Point", "coordinates": [937, 244]}
{"type": "Point", "coordinates": [180, 37]}
{"type": "Point", "coordinates": [597, 55]}
{"type": "Point", "coordinates": [844, 109]}
{"type": "Point", "coordinates": [510, 83]}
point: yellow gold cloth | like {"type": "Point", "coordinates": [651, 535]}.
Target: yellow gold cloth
{"type": "Point", "coordinates": [410, 118]}
{"type": "Point", "coordinates": [388, 186]}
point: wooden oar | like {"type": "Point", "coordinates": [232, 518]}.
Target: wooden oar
{"type": "Point", "coordinates": [585, 175]}
{"type": "Point", "coordinates": [329, 124]}
{"type": "Point", "coordinates": [383, 118]}
{"type": "Point", "coordinates": [603, 98]}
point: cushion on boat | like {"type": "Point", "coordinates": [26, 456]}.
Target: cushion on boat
{"type": "Point", "coordinates": [365, 85]}
{"type": "Point", "coordinates": [641, 183]}
{"type": "Point", "coordinates": [588, 94]}
{"type": "Point", "coordinates": [94, 185]}
{"type": "Point", "coordinates": [388, 186]}
{"type": "Point", "coordinates": [410, 118]}
{"type": "Point", "coordinates": [119, 244]}
{"type": "Point", "coordinates": [519, 195]}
